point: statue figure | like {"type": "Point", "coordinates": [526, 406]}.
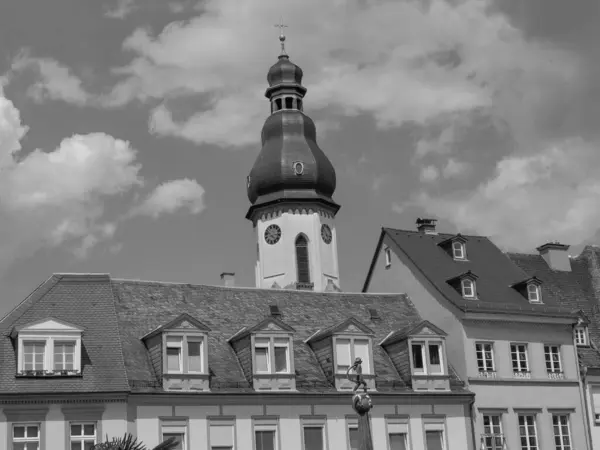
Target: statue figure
{"type": "Point", "coordinates": [362, 404]}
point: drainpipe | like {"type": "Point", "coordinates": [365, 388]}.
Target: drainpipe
{"type": "Point", "coordinates": [472, 413]}
{"type": "Point", "coordinates": [582, 393]}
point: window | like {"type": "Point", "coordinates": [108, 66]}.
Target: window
{"type": "Point", "coordinates": [277, 104]}
{"type": "Point", "coordinates": [397, 429]}
{"type": "Point", "coordinates": [468, 288]}
{"type": "Point", "coordinates": [64, 355]}
{"type": "Point", "coordinates": [178, 430]}
{"type": "Point", "coordinates": [302, 262]}
{"type": "Point", "coordinates": [581, 335]}
{"type": "Point", "coordinates": [83, 436]}
{"type": "Point", "coordinates": [272, 355]}
{"type": "Point", "coordinates": [26, 437]}
{"type": "Point", "coordinates": [353, 437]}
{"type": "Point", "coordinates": [484, 352]}
{"type": "Point", "coordinates": [458, 250]}
{"type": "Point", "coordinates": [528, 432]}
{"type": "Point", "coordinates": [434, 440]}
{"type": "Point", "coordinates": [194, 345]}
{"type": "Point", "coordinates": [174, 350]}
{"type": "Point", "coordinates": [562, 434]}
{"type": "Point", "coordinates": [388, 257]}
{"type": "Point", "coordinates": [265, 439]}
{"type": "Point", "coordinates": [552, 353]}
{"type": "Point", "coordinates": [289, 103]}
{"type": "Point", "coordinates": [221, 434]}
{"type": "Point", "coordinates": [533, 293]}
{"type": "Point", "coordinates": [347, 350]}
{"type": "Point", "coordinates": [299, 104]}
{"type": "Point", "coordinates": [492, 438]}
{"type": "Point", "coordinates": [427, 358]}
{"type": "Point", "coordinates": [313, 437]}
{"type": "Point", "coordinates": [34, 354]}
{"type": "Point", "coordinates": [518, 354]}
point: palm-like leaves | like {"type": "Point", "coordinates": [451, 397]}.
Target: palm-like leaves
{"type": "Point", "coordinates": [129, 442]}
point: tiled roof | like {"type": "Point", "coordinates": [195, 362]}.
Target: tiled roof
{"type": "Point", "coordinates": [495, 272]}
{"type": "Point", "coordinates": [144, 306]}
{"type": "Point", "coordinates": [86, 301]}
{"type": "Point", "coordinates": [573, 290]}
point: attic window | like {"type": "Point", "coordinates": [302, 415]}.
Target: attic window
{"type": "Point", "coordinates": [468, 288]}
{"type": "Point", "coordinates": [275, 312]}
{"type": "Point", "coordinates": [48, 348]}
{"type": "Point", "coordinates": [388, 257]}
{"type": "Point", "coordinates": [581, 335]}
{"type": "Point", "coordinates": [272, 355]}
{"type": "Point", "coordinates": [374, 314]}
{"type": "Point", "coordinates": [458, 250]}
{"type": "Point", "coordinates": [533, 293]}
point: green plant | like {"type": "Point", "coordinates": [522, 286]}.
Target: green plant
{"type": "Point", "coordinates": [129, 442]}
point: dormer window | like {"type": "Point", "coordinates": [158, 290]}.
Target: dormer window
{"type": "Point", "coordinates": [458, 250]}
{"type": "Point", "coordinates": [48, 348]}
{"type": "Point", "coordinates": [468, 288]}
{"type": "Point", "coordinates": [346, 352]}
{"type": "Point", "coordinates": [581, 335]}
{"type": "Point", "coordinates": [533, 293]}
{"type": "Point", "coordinates": [271, 355]}
{"type": "Point", "coordinates": [185, 354]}
{"type": "Point", "coordinates": [427, 358]}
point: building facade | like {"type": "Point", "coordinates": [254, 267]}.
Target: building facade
{"type": "Point", "coordinates": [224, 368]}
{"type": "Point", "coordinates": [509, 335]}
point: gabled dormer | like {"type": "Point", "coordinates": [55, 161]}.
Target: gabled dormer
{"type": "Point", "coordinates": [531, 289]}
{"type": "Point", "coordinates": [337, 347]}
{"type": "Point", "coordinates": [179, 353]}
{"type": "Point", "coordinates": [456, 247]}
{"type": "Point", "coordinates": [48, 348]}
{"type": "Point", "coordinates": [419, 355]}
{"type": "Point", "coordinates": [265, 352]}
{"type": "Point", "coordinates": [580, 331]}
{"type": "Point", "coordinates": [465, 284]}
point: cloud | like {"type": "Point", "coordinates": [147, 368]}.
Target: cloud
{"type": "Point", "coordinates": [122, 9]}
{"type": "Point", "coordinates": [173, 196]}
{"type": "Point", "coordinates": [531, 199]}
{"type": "Point", "coordinates": [455, 169]}
{"type": "Point", "coordinates": [59, 197]}
{"type": "Point", "coordinates": [429, 174]}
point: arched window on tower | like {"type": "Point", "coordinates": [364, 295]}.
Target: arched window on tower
{"type": "Point", "coordinates": [289, 103]}
{"type": "Point", "coordinates": [277, 104]}
{"type": "Point", "coordinates": [302, 263]}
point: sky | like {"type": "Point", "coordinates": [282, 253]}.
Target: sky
{"type": "Point", "coordinates": [127, 128]}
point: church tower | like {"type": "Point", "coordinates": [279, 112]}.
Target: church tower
{"type": "Point", "coordinates": [290, 188]}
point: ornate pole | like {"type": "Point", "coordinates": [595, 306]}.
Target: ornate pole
{"type": "Point", "coordinates": [362, 404]}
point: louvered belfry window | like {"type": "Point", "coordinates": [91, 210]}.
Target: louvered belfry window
{"type": "Point", "coordinates": [302, 263]}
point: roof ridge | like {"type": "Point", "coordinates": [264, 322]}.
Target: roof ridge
{"type": "Point", "coordinates": [33, 296]}
{"type": "Point", "coordinates": [436, 234]}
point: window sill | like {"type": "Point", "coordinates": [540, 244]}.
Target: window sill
{"type": "Point", "coordinates": [487, 374]}
{"type": "Point", "coordinates": [48, 373]}
{"type": "Point", "coordinates": [522, 375]}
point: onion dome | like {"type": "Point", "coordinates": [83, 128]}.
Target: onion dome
{"type": "Point", "coordinates": [290, 166]}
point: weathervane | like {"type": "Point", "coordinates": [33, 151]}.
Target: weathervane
{"type": "Point", "coordinates": [362, 404]}
{"type": "Point", "coordinates": [281, 26]}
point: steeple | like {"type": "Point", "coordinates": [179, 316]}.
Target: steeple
{"type": "Point", "coordinates": [290, 189]}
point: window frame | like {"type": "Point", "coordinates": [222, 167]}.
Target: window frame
{"type": "Point", "coordinates": [266, 423]}
{"type": "Point", "coordinates": [561, 446]}
{"type": "Point", "coordinates": [352, 339]}
{"type": "Point", "coordinates": [491, 427]}
{"type": "Point", "coordinates": [387, 251]}
{"type": "Point", "coordinates": [83, 438]}
{"type": "Point", "coordinates": [553, 363]}
{"type": "Point", "coordinates": [584, 334]}
{"type": "Point", "coordinates": [298, 256]}
{"type": "Point", "coordinates": [270, 345]}
{"type": "Point", "coordinates": [472, 286]}
{"type": "Point", "coordinates": [48, 342]}
{"type": "Point", "coordinates": [536, 290]}
{"type": "Point", "coordinates": [526, 425]}
{"type": "Point", "coordinates": [351, 423]}
{"type": "Point", "coordinates": [184, 360]}
{"type": "Point", "coordinates": [397, 425]}
{"type": "Point", "coordinates": [25, 439]}
{"type": "Point", "coordinates": [426, 355]}
{"type": "Point", "coordinates": [493, 359]}
{"type": "Point", "coordinates": [313, 422]}
{"type": "Point", "coordinates": [435, 424]}
{"type": "Point", "coordinates": [459, 255]}
{"type": "Point", "coordinates": [169, 425]}
{"type": "Point", "coordinates": [517, 344]}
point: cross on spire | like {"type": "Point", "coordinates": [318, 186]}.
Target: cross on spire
{"type": "Point", "coordinates": [281, 26]}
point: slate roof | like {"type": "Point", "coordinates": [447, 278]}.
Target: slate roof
{"type": "Point", "coordinates": [86, 301]}
{"type": "Point", "coordinates": [573, 290]}
{"type": "Point", "coordinates": [495, 272]}
{"type": "Point", "coordinates": [116, 314]}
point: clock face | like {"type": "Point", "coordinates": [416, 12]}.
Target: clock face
{"type": "Point", "coordinates": [272, 234]}
{"type": "Point", "coordinates": [326, 233]}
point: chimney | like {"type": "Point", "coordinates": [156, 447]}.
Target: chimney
{"type": "Point", "coordinates": [228, 279]}
{"type": "Point", "coordinates": [426, 226]}
{"type": "Point", "coordinates": [555, 255]}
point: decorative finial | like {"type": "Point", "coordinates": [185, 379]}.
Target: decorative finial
{"type": "Point", "coordinates": [281, 26]}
